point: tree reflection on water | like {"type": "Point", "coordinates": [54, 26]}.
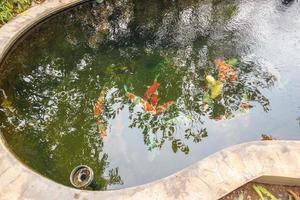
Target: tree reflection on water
{"type": "Point", "coordinates": [117, 44]}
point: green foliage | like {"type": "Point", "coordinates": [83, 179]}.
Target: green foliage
{"type": "Point", "coordinates": [261, 192]}
{"type": "Point", "coordinates": [9, 8]}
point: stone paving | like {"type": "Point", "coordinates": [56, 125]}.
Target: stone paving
{"type": "Point", "coordinates": [209, 179]}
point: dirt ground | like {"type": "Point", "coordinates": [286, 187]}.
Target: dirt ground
{"type": "Point", "coordinates": [247, 192]}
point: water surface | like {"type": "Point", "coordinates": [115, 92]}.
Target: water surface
{"type": "Point", "coordinates": [56, 74]}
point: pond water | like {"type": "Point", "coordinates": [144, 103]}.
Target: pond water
{"type": "Point", "coordinates": [138, 90]}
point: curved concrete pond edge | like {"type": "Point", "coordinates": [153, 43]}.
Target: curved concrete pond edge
{"type": "Point", "coordinates": [208, 179]}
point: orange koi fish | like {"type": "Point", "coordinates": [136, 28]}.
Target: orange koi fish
{"type": "Point", "coordinates": [217, 118]}
{"type": "Point", "coordinates": [168, 104]}
{"type": "Point", "coordinates": [131, 97]}
{"type": "Point", "coordinates": [164, 107]}
{"type": "Point", "coordinates": [99, 104]}
{"type": "Point", "coordinates": [151, 105]}
{"type": "Point", "coordinates": [159, 110]}
{"type": "Point", "coordinates": [97, 109]}
{"type": "Point", "coordinates": [154, 100]}
{"type": "Point", "coordinates": [148, 106]}
{"type": "Point", "coordinates": [225, 71]}
{"type": "Point", "coordinates": [151, 90]}
{"type": "Point", "coordinates": [245, 105]}
{"type": "Point", "coordinates": [102, 132]}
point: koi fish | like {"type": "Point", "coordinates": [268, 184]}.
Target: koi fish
{"type": "Point", "coordinates": [211, 80]}
{"type": "Point", "coordinates": [154, 100]}
{"type": "Point", "coordinates": [97, 109]}
{"type": "Point", "coordinates": [216, 90]}
{"type": "Point", "coordinates": [148, 106]}
{"type": "Point", "coordinates": [132, 97]}
{"type": "Point", "coordinates": [99, 104]}
{"type": "Point", "coordinates": [164, 107]}
{"type": "Point", "coordinates": [215, 86]}
{"type": "Point", "coordinates": [245, 105]}
{"type": "Point", "coordinates": [168, 104]}
{"type": "Point", "coordinates": [135, 99]}
{"type": "Point", "coordinates": [151, 90]}
{"type": "Point", "coordinates": [225, 71]}
{"type": "Point", "coordinates": [102, 132]}
{"type": "Point", "coordinates": [159, 110]}
{"type": "Point", "coordinates": [217, 118]}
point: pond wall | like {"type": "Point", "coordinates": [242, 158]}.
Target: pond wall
{"type": "Point", "coordinates": [210, 178]}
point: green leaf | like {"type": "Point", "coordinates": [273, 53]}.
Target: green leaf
{"type": "Point", "coordinates": [257, 190]}
{"type": "Point", "coordinates": [260, 190]}
{"type": "Point", "coordinates": [267, 193]}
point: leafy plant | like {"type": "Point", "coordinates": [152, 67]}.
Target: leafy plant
{"type": "Point", "coordinates": [261, 191]}
{"type": "Point", "coordinates": [9, 8]}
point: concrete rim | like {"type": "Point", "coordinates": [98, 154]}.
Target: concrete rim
{"type": "Point", "coordinates": [210, 178]}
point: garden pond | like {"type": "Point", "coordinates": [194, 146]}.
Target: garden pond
{"type": "Point", "coordinates": [138, 90]}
